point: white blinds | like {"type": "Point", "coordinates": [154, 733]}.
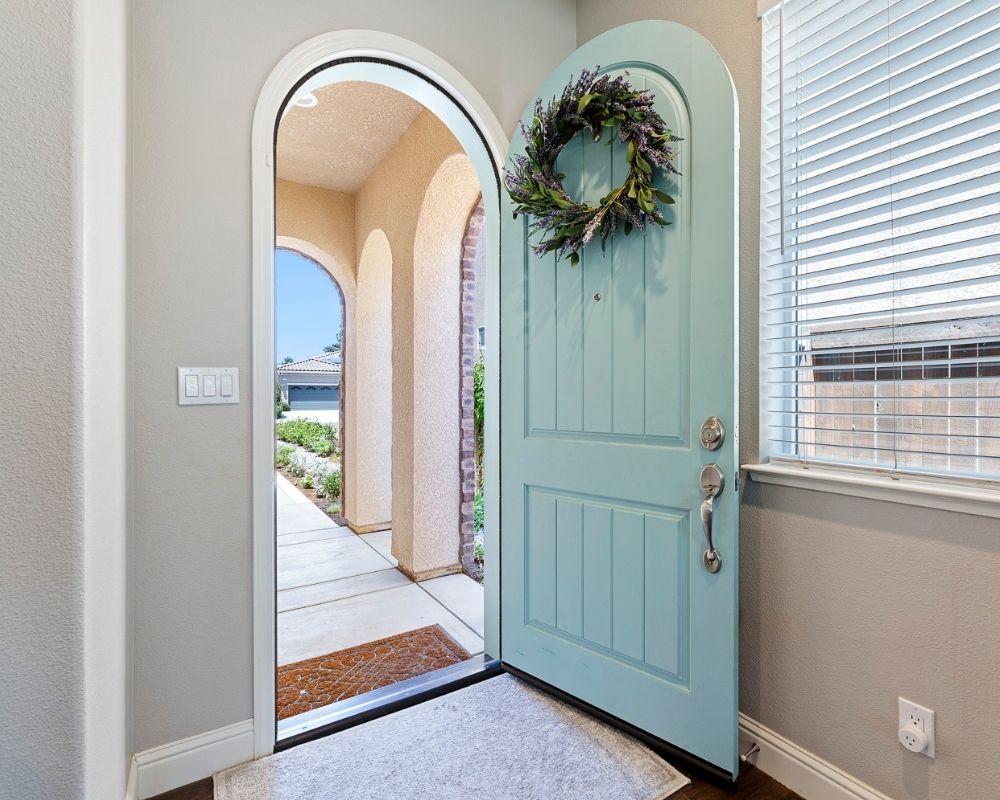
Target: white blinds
{"type": "Point", "coordinates": [880, 225]}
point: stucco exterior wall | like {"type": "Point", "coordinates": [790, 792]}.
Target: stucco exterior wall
{"type": "Point", "coordinates": [435, 530]}
{"type": "Point", "coordinates": [325, 219]}
{"type": "Point", "coordinates": [392, 200]}
{"type": "Point", "coordinates": [846, 605]}
{"type": "Point", "coordinates": [368, 485]}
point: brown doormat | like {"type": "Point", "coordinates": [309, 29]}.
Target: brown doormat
{"type": "Point", "coordinates": [317, 682]}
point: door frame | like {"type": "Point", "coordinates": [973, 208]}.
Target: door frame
{"type": "Point", "coordinates": [412, 69]}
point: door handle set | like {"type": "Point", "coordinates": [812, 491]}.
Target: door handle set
{"type": "Point", "coordinates": [711, 482]}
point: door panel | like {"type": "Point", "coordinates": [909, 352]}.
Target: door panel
{"type": "Point", "coordinates": [607, 372]}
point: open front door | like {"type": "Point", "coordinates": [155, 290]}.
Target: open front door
{"type": "Point", "coordinates": [608, 370]}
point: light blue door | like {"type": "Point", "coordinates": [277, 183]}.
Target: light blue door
{"type": "Point", "coordinates": [607, 373]}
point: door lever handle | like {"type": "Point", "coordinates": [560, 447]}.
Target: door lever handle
{"type": "Point", "coordinates": [711, 557]}
{"type": "Point", "coordinates": [710, 480]}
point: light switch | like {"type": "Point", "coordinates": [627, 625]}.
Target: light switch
{"type": "Point", "coordinates": [207, 386]}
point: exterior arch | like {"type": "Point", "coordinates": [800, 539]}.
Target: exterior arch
{"type": "Point", "coordinates": [343, 279]}
{"type": "Point", "coordinates": [341, 273]}
{"type": "Point", "coordinates": [368, 455]}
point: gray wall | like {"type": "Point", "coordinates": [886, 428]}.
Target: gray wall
{"type": "Point", "coordinates": [63, 535]}
{"type": "Point", "coordinates": [847, 604]}
{"type": "Point", "coordinates": [41, 573]}
{"type": "Point", "coordinates": [197, 70]}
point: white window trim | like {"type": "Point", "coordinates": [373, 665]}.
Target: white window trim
{"type": "Point", "coordinates": [981, 498]}
{"type": "Point", "coordinates": [952, 492]}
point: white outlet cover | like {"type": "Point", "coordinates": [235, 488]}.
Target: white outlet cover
{"type": "Point", "coordinates": [910, 711]}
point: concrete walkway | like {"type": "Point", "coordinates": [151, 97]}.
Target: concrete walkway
{"type": "Point", "coordinates": [338, 589]}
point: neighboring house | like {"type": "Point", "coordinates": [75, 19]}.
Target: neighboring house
{"type": "Point", "coordinates": [313, 383]}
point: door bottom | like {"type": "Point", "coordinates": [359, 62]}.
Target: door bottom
{"type": "Point", "coordinates": [371, 705]}
{"type": "Point", "coordinates": [657, 745]}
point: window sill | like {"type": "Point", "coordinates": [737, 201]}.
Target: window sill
{"type": "Point", "coordinates": [973, 498]}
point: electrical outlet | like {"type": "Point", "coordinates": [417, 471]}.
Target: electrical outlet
{"type": "Point", "coordinates": [916, 727]}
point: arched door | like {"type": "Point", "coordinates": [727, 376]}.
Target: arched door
{"type": "Point", "coordinates": [608, 370]}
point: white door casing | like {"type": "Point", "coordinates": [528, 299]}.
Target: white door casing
{"type": "Point", "coordinates": [419, 73]}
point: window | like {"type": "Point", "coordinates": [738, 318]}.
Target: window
{"type": "Point", "coordinates": [880, 234]}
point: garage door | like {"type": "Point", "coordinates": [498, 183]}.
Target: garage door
{"type": "Point", "coordinates": [314, 398]}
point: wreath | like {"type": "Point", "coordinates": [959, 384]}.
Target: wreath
{"type": "Point", "coordinates": [535, 186]}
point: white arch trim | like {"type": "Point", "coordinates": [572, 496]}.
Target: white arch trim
{"type": "Point", "coordinates": [473, 123]}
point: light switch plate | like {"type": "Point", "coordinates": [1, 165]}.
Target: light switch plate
{"type": "Point", "coordinates": [214, 380]}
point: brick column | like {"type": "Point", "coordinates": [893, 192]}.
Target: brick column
{"type": "Point", "coordinates": [471, 256]}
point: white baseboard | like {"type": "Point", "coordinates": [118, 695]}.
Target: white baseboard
{"type": "Point", "coordinates": [178, 763]}
{"type": "Point", "coordinates": [132, 787]}
{"type": "Point", "coordinates": [801, 771]}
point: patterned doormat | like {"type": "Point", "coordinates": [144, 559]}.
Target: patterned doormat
{"type": "Point", "coordinates": [317, 682]}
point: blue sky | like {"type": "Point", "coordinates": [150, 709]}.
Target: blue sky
{"type": "Point", "coordinates": [308, 307]}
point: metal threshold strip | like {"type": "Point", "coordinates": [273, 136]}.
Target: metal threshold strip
{"type": "Point", "coordinates": [356, 710]}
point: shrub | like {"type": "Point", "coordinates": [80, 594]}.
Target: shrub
{"type": "Point", "coordinates": [306, 432]}
{"type": "Point", "coordinates": [478, 513]}
{"type": "Point", "coordinates": [307, 481]}
{"type": "Point", "coordinates": [279, 401]}
{"type": "Point", "coordinates": [297, 464]}
{"type": "Point", "coordinates": [479, 551]}
{"type": "Point", "coordinates": [320, 469]}
{"type": "Point", "coordinates": [333, 508]}
{"type": "Point", "coordinates": [283, 455]}
{"type": "Point", "coordinates": [331, 484]}
{"type": "Point", "coordinates": [321, 446]}
{"type": "Point", "coordinates": [479, 410]}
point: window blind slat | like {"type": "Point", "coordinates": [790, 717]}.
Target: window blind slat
{"type": "Point", "coordinates": [880, 234]}
{"type": "Point", "coordinates": [808, 288]}
{"type": "Point", "coordinates": [940, 172]}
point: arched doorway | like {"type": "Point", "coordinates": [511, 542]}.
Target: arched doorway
{"type": "Point", "coordinates": [414, 71]}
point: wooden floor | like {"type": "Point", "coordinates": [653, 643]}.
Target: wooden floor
{"type": "Point", "coordinates": [753, 785]}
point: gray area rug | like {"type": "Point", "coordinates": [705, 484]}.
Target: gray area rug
{"type": "Point", "coordinates": [496, 739]}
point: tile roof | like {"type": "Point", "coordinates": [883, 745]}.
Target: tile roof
{"type": "Point", "coordinates": [314, 364]}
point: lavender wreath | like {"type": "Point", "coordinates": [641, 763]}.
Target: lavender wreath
{"type": "Point", "coordinates": [534, 185]}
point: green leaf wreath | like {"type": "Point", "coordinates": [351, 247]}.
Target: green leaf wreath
{"type": "Point", "coordinates": [598, 103]}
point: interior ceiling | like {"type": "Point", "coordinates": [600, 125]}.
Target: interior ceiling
{"type": "Point", "coordinates": [340, 141]}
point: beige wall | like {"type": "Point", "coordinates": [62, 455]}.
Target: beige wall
{"type": "Point", "coordinates": [391, 200]}
{"type": "Point", "coordinates": [196, 71]}
{"type": "Point", "coordinates": [323, 217]}
{"type": "Point", "coordinates": [847, 604]}
{"type": "Point", "coordinates": [437, 330]}
{"type": "Point", "coordinates": [368, 460]}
